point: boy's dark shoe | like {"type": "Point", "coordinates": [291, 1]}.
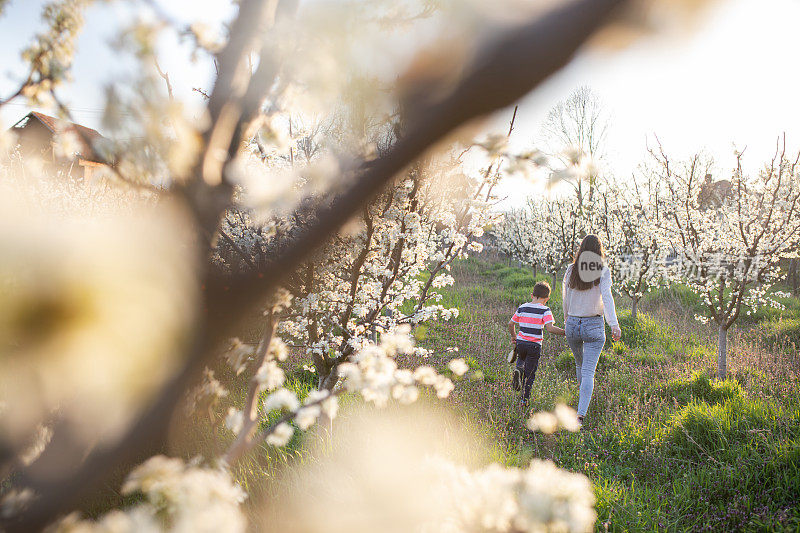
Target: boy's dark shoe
{"type": "Point", "coordinates": [516, 379]}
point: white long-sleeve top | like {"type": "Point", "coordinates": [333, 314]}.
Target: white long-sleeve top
{"type": "Point", "coordinates": [591, 302]}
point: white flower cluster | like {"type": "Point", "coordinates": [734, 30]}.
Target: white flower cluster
{"type": "Point", "coordinates": [238, 354]}
{"type": "Point", "coordinates": [305, 415]}
{"type": "Point", "coordinates": [392, 258]}
{"type": "Point", "coordinates": [672, 226]}
{"type": "Point", "coordinates": [458, 366]}
{"type": "Point", "coordinates": [627, 218]}
{"type": "Point", "coordinates": [571, 165]}
{"type": "Point", "coordinates": [497, 499]}
{"type": "Point", "coordinates": [50, 55]}
{"type": "Point", "coordinates": [178, 497]}
{"type": "Point", "coordinates": [544, 233]}
{"type": "Point", "coordinates": [376, 376]}
{"type": "Point", "coordinates": [562, 418]}
{"type": "Point", "coordinates": [14, 501]}
{"type": "Point", "coordinates": [269, 376]}
{"type": "Point", "coordinates": [732, 233]}
{"type": "Point", "coordinates": [207, 393]}
{"type": "Point", "coordinates": [82, 277]}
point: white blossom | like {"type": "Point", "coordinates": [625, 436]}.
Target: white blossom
{"type": "Point", "coordinates": [567, 418]}
{"type": "Point", "coordinates": [281, 399]}
{"type": "Point", "coordinates": [307, 416]}
{"type": "Point", "coordinates": [234, 421]}
{"type": "Point", "coordinates": [15, 501]}
{"type": "Point", "coordinates": [458, 366]}
{"type": "Point", "coordinates": [544, 422]}
{"type": "Point", "coordinates": [238, 355]}
{"type": "Point", "coordinates": [281, 435]}
{"type": "Point", "coordinates": [270, 375]}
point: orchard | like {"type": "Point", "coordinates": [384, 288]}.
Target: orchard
{"type": "Point", "coordinates": [258, 258]}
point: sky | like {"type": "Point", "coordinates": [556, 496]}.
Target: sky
{"type": "Point", "coordinates": [730, 81]}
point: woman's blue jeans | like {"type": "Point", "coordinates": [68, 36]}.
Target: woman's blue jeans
{"type": "Point", "coordinates": [586, 337]}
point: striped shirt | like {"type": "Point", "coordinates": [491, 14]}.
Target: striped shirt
{"type": "Point", "coordinates": [531, 318]}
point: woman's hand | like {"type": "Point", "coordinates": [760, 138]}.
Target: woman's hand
{"type": "Point", "coordinates": [616, 333]}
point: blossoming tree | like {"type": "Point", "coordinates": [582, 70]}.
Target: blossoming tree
{"type": "Point", "coordinates": [729, 252]}
{"type": "Point", "coordinates": [627, 217]}
{"type": "Point", "coordinates": [544, 233]}
{"type": "Point", "coordinates": [155, 293]}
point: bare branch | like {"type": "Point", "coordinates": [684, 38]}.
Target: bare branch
{"type": "Point", "coordinates": [165, 76]}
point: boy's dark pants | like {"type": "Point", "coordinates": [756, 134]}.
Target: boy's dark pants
{"type": "Point", "coordinates": [528, 361]}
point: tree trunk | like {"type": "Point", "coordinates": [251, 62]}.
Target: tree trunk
{"type": "Point", "coordinates": [328, 381]}
{"type": "Point", "coordinates": [325, 368]}
{"type": "Point", "coordinates": [553, 286]}
{"type": "Point", "coordinates": [722, 353]}
{"type": "Point", "coordinates": [634, 307]}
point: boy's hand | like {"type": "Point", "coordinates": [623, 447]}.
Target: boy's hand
{"type": "Point", "coordinates": [550, 327]}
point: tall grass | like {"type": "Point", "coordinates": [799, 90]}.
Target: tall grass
{"type": "Point", "coordinates": [670, 447]}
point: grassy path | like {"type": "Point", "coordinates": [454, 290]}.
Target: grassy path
{"type": "Point", "coordinates": [670, 448]}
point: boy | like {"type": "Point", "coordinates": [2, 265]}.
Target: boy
{"type": "Point", "coordinates": [531, 317]}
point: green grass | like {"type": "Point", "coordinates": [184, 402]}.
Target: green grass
{"type": "Point", "coordinates": [781, 331]}
{"type": "Point", "coordinates": [675, 292]}
{"type": "Point", "coordinates": [670, 447]}
{"type": "Point", "coordinates": [700, 387]}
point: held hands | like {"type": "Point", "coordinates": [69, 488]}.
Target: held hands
{"type": "Point", "coordinates": [616, 333]}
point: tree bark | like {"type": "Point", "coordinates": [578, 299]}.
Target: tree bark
{"type": "Point", "coordinates": [722, 353]}
{"type": "Point", "coordinates": [329, 381]}
{"type": "Point", "coordinates": [634, 307]}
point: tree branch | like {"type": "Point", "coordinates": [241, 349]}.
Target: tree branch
{"type": "Point", "coordinates": [543, 45]}
{"type": "Point", "coordinates": [245, 440]}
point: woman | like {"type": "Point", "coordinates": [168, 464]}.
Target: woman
{"type": "Point", "coordinates": [586, 298]}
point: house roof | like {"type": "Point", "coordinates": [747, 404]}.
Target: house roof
{"type": "Point", "coordinates": [56, 125]}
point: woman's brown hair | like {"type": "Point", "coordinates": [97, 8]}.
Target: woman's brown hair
{"type": "Point", "coordinates": [590, 243]}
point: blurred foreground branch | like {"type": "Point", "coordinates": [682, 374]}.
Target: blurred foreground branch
{"type": "Point", "coordinates": [500, 73]}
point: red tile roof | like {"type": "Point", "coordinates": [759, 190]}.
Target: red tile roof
{"type": "Point", "coordinates": [84, 134]}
